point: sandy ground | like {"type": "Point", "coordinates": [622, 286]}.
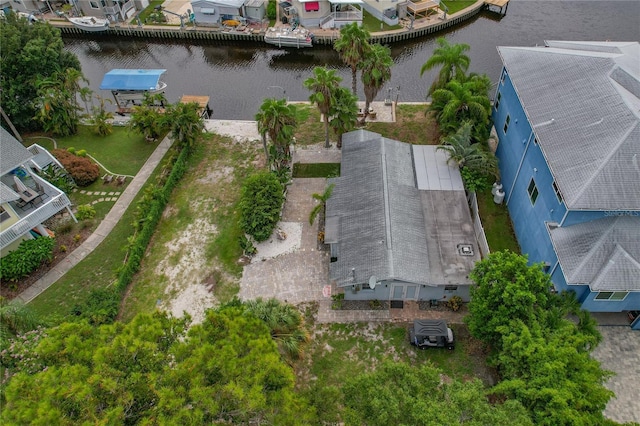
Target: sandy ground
{"type": "Point", "coordinates": [190, 287]}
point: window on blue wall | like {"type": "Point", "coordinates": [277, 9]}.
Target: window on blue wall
{"type": "Point", "coordinates": [506, 123]}
{"type": "Point", "coordinates": [504, 73]}
{"type": "Point", "coordinates": [497, 102]}
{"type": "Point", "coordinates": [611, 295]}
{"type": "Point", "coordinates": [557, 191]}
{"type": "Point", "coordinates": [533, 192]}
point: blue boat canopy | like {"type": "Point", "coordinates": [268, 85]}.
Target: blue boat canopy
{"type": "Point", "coordinates": [122, 79]}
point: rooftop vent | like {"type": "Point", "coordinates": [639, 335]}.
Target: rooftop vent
{"type": "Point", "coordinates": [465, 249]}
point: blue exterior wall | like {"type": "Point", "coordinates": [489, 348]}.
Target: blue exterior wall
{"type": "Point", "coordinates": [520, 161]}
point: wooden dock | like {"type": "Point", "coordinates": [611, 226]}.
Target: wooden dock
{"type": "Point", "coordinates": [499, 6]}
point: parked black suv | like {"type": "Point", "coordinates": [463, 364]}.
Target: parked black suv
{"type": "Point", "coordinates": [431, 334]}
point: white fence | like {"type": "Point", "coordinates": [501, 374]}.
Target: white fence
{"type": "Point", "coordinates": [477, 225]}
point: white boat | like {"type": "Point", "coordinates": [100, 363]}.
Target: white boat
{"type": "Point", "coordinates": [289, 37]}
{"type": "Point", "coordinates": [90, 23]}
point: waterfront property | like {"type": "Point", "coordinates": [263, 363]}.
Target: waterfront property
{"type": "Point", "coordinates": [26, 199]}
{"type": "Point", "coordinates": [398, 223]}
{"type": "Point", "coordinates": [113, 10]}
{"type": "Point", "coordinates": [215, 12]}
{"type": "Point", "coordinates": [567, 119]}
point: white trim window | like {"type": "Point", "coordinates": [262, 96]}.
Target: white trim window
{"type": "Point", "coordinates": [94, 5]}
{"type": "Point", "coordinates": [611, 295]}
{"type": "Point", "coordinates": [532, 190]}
{"type": "Point", "coordinates": [506, 124]}
{"type": "Point", "coordinates": [4, 215]}
{"type": "Point", "coordinates": [496, 104]}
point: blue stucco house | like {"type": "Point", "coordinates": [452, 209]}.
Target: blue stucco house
{"type": "Point", "coordinates": [567, 117]}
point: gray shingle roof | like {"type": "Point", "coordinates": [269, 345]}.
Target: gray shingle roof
{"type": "Point", "coordinates": [591, 92]}
{"type": "Point", "coordinates": [376, 216]}
{"type": "Point", "coordinates": [604, 253]}
{"type": "Point", "coordinates": [12, 153]}
{"type": "Point", "coordinates": [7, 194]}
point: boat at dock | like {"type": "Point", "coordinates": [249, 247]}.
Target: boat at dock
{"type": "Point", "coordinates": [129, 86]}
{"type": "Point", "coordinates": [289, 37]}
{"type": "Point", "coordinates": [90, 23]}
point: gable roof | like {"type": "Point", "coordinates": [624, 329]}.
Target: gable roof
{"type": "Point", "coordinates": [12, 153]}
{"type": "Point", "coordinates": [384, 226]}
{"type": "Point", "coordinates": [583, 101]}
{"type": "Point", "coordinates": [603, 253]}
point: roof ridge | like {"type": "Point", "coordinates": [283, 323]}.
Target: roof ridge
{"type": "Point", "coordinates": [587, 257]}
{"type": "Point", "coordinates": [615, 253]}
{"type": "Point", "coordinates": [604, 163]}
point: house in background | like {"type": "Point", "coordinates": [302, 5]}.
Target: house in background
{"type": "Point", "coordinates": [398, 223]}
{"type": "Point", "coordinates": [568, 120]}
{"type": "Point", "coordinates": [114, 10]}
{"type": "Point", "coordinates": [28, 6]}
{"type": "Point", "coordinates": [26, 200]}
{"type": "Point", "coordinates": [214, 12]}
{"type": "Point", "coordinates": [325, 13]}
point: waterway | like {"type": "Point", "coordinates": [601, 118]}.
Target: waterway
{"type": "Point", "coordinates": [239, 76]}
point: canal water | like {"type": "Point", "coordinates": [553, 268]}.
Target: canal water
{"type": "Point", "coordinates": [239, 76]}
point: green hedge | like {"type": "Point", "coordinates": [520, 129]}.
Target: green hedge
{"type": "Point", "coordinates": [102, 304]}
{"type": "Point", "coordinates": [260, 204]}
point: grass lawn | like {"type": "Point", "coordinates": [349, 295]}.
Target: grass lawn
{"type": "Point", "coordinates": [316, 170]}
{"type": "Point", "coordinates": [341, 351]}
{"type": "Point", "coordinates": [497, 224]}
{"type": "Point", "coordinates": [373, 24]}
{"type": "Point", "coordinates": [96, 271]}
{"type": "Point", "coordinates": [122, 152]}
{"type": "Point", "coordinates": [412, 125]}
{"type": "Point", "coordinates": [457, 5]}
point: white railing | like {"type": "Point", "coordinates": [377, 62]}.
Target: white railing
{"type": "Point", "coordinates": [33, 219]}
{"type": "Point", "coordinates": [127, 6]}
{"type": "Point", "coordinates": [481, 238]}
{"type": "Point", "coordinates": [352, 15]}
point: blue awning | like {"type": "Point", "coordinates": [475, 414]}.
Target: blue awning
{"type": "Point", "coordinates": [120, 79]}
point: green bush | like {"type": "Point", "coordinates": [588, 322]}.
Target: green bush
{"type": "Point", "coordinates": [100, 308]}
{"type": "Point", "coordinates": [455, 303]}
{"type": "Point", "coordinates": [85, 211]}
{"type": "Point", "coordinates": [260, 204]}
{"type": "Point", "coordinates": [59, 178]}
{"type": "Point", "coordinates": [81, 153]}
{"type": "Point", "coordinates": [71, 150]}
{"type": "Point", "coordinates": [271, 10]}
{"type": "Point", "coordinates": [26, 258]}
{"type": "Point", "coordinates": [83, 171]}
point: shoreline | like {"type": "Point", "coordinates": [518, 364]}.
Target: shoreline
{"type": "Point", "coordinates": [421, 27]}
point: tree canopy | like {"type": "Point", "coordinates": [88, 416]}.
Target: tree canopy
{"type": "Point", "coordinates": [353, 46]}
{"type": "Point", "coordinates": [154, 371]}
{"type": "Point", "coordinates": [30, 53]}
{"type": "Point", "coordinates": [402, 394]}
{"type": "Point", "coordinates": [507, 288]}
{"type": "Point", "coordinates": [452, 60]}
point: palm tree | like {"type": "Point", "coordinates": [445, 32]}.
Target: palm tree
{"type": "Point", "coordinates": [452, 59]}
{"type": "Point", "coordinates": [465, 154]}
{"type": "Point", "coordinates": [323, 86]}
{"type": "Point", "coordinates": [457, 102]}
{"type": "Point", "coordinates": [100, 119]}
{"type": "Point", "coordinates": [343, 112]}
{"type": "Point", "coordinates": [278, 120]}
{"type": "Point", "coordinates": [284, 322]}
{"type": "Point", "coordinates": [322, 198]}
{"type": "Point", "coordinates": [185, 123]}
{"type": "Point", "coordinates": [353, 46]}
{"type": "Point", "coordinates": [146, 121]}
{"type": "Point", "coordinates": [376, 71]}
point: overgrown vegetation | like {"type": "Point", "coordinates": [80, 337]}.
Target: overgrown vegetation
{"type": "Point", "coordinates": [260, 205]}
{"type": "Point", "coordinates": [316, 170]}
{"type": "Point", "coordinates": [28, 257]}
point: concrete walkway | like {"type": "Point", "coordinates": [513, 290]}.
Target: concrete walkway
{"type": "Point", "coordinates": [107, 224]}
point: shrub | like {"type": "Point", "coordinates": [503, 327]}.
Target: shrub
{"type": "Point", "coordinates": [26, 258]}
{"type": "Point", "coordinates": [59, 178]}
{"type": "Point", "coordinates": [455, 303]}
{"type": "Point", "coordinates": [82, 169]}
{"type": "Point", "coordinates": [85, 211]}
{"type": "Point", "coordinates": [100, 308]}
{"type": "Point", "coordinates": [71, 150]}
{"type": "Point", "coordinates": [81, 153]}
{"type": "Point", "coordinates": [271, 10]}
{"type": "Point", "coordinates": [260, 203]}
